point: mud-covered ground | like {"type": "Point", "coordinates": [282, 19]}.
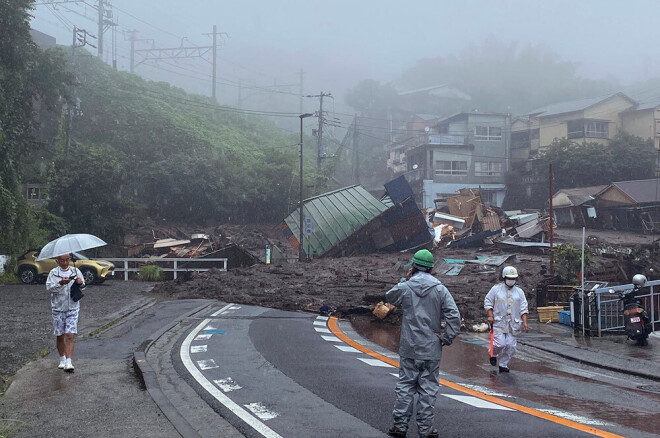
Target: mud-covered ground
{"type": "Point", "coordinates": [352, 285]}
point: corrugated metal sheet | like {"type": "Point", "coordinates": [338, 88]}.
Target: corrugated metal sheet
{"type": "Point", "coordinates": [335, 216]}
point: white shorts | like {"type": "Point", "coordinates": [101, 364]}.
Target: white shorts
{"type": "Point", "coordinates": [65, 322]}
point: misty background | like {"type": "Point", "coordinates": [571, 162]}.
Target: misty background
{"type": "Point", "coordinates": [338, 44]}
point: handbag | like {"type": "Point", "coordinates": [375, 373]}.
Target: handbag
{"type": "Point", "coordinates": [76, 292]}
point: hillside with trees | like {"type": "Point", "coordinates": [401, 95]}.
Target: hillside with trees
{"type": "Point", "coordinates": [140, 151]}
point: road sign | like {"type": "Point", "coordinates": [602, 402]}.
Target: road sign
{"type": "Point", "coordinates": [309, 226]}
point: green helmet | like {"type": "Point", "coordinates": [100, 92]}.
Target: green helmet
{"type": "Point", "coordinates": [423, 258]}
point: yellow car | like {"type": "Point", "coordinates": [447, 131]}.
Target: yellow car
{"type": "Point", "coordinates": [30, 270]}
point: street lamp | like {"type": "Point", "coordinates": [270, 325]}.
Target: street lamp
{"type": "Point", "coordinates": [300, 240]}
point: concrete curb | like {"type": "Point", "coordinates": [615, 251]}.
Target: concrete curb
{"type": "Point", "coordinates": [632, 371]}
{"type": "Point", "coordinates": [149, 379]}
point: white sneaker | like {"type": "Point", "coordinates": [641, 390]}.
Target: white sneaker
{"type": "Point", "coordinates": [61, 365]}
{"type": "Point", "coordinates": [68, 367]}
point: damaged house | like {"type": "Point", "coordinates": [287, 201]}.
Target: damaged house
{"type": "Point", "coordinates": [624, 205]}
{"type": "Point", "coordinates": [351, 221]}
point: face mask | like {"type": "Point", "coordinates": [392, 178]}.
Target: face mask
{"type": "Point", "coordinates": [510, 283]}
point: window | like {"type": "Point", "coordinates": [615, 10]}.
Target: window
{"type": "Point", "coordinates": [575, 129]}
{"type": "Point", "coordinates": [451, 167]}
{"type": "Point", "coordinates": [487, 168]}
{"type": "Point", "coordinates": [484, 133]}
{"type": "Point", "coordinates": [489, 197]}
{"type": "Point", "coordinates": [596, 129]}
{"type": "Point", "coordinates": [586, 129]}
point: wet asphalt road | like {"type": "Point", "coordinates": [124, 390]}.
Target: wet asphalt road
{"type": "Point", "coordinates": [279, 362]}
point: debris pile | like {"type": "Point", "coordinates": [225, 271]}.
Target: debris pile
{"type": "Point", "coordinates": [464, 221]}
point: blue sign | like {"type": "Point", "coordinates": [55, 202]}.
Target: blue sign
{"type": "Point", "coordinates": [309, 226]}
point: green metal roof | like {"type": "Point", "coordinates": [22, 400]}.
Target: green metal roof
{"type": "Point", "coordinates": [335, 216]}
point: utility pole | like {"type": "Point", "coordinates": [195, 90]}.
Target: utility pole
{"type": "Point", "coordinates": [101, 10]}
{"type": "Point", "coordinates": [181, 52]}
{"type": "Point", "coordinates": [301, 90]}
{"type": "Point", "coordinates": [215, 60]}
{"type": "Point", "coordinates": [79, 40]}
{"type": "Point", "coordinates": [552, 222]}
{"type": "Point", "coordinates": [320, 151]}
{"type": "Point", "coordinates": [133, 39]}
{"type": "Point", "coordinates": [356, 156]}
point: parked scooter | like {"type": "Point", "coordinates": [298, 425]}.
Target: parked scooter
{"type": "Point", "coordinates": [636, 321]}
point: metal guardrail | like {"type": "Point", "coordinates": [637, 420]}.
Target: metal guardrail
{"type": "Point", "coordinates": [609, 307]}
{"type": "Point", "coordinates": [174, 262]}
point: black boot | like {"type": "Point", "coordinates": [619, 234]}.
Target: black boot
{"type": "Point", "coordinates": [397, 432]}
{"type": "Point", "coordinates": [504, 369]}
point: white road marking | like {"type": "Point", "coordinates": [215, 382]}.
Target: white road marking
{"type": "Point", "coordinates": [261, 411]}
{"type": "Point", "coordinates": [234, 307]}
{"type": "Point", "coordinates": [395, 375]}
{"type": "Point", "coordinates": [228, 306]}
{"type": "Point", "coordinates": [215, 392]}
{"type": "Point", "coordinates": [206, 364]}
{"type": "Point", "coordinates": [322, 330]}
{"type": "Point", "coordinates": [210, 327]}
{"type": "Point", "coordinates": [322, 318]}
{"type": "Point", "coordinates": [203, 337]}
{"type": "Point", "coordinates": [331, 338]}
{"type": "Point", "coordinates": [375, 363]}
{"type": "Point", "coordinates": [575, 417]}
{"type": "Point", "coordinates": [198, 349]}
{"type": "Point", "coordinates": [476, 402]}
{"type": "Point", "coordinates": [347, 349]}
{"type": "Point", "coordinates": [484, 390]}
{"type": "Point", "coordinates": [321, 323]}
{"type": "Point", "coordinates": [227, 385]}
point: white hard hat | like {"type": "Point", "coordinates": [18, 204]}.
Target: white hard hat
{"type": "Point", "coordinates": [510, 272]}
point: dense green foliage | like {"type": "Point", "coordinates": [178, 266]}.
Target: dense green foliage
{"type": "Point", "coordinates": [31, 81]}
{"type": "Point", "coordinates": [568, 263]}
{"type": "Point", "coordinates": [144, 149]}
{"type": "Point", "coordinates": [626, 157]}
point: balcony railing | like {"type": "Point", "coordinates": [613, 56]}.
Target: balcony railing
{"type": "Point", "coordinates": [446, 139]}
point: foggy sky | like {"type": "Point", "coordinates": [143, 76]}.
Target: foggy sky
{"type": "Point", "coordinates": [338, 43]}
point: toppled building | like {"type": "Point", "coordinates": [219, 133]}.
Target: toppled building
{"type": "Point", "coordinates": [351, 221]}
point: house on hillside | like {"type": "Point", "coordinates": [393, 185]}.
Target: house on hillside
{"type": "Point", "coordinates": [644, 121]}
{"type": "Point", "coordinates": [466, 150]}
{"type": "Point", "coordinates": [595, 119]}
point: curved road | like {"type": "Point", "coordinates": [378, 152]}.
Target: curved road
{"type": "Point", "coordinates": [282, 374]}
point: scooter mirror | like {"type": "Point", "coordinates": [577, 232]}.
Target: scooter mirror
{"type": "Point", "coordinates": [611, 291]}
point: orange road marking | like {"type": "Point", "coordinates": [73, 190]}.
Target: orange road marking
{"type": "Point", "coordinates": [334, 328]}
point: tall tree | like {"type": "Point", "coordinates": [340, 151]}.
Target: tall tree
{"type": "Point", "coordinates": [29, 78]}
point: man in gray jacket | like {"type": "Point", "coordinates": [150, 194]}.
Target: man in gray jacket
{"type": "Point", "coordinates": [425, 303]}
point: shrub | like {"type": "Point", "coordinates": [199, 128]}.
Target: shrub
{"type": "Point", "coordinates": [8, 278]}
{"type": "Point", "coordinates": [568, 262]}
{"type": "Point", "coordinates": [150, 273]}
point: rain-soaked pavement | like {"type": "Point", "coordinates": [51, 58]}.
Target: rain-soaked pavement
{"type": "Point", "coordinates": [592, 395]}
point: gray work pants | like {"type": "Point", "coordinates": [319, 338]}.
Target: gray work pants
{"type": "Point", "coordinates": [416, 377]}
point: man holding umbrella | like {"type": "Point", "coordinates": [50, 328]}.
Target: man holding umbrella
{"type": "Point", "coordinates": [60, 280]}
{"type": "Point", "coordinates": [64, 309]}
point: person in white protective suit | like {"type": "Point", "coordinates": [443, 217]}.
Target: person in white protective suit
{"type": "Point", "coordinates": [425, 303]}
{"type": "Point", "coordinates": [507, 313]}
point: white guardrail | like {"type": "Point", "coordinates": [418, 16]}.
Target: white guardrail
{"type": "Point", "coordinates": [175, 265]}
